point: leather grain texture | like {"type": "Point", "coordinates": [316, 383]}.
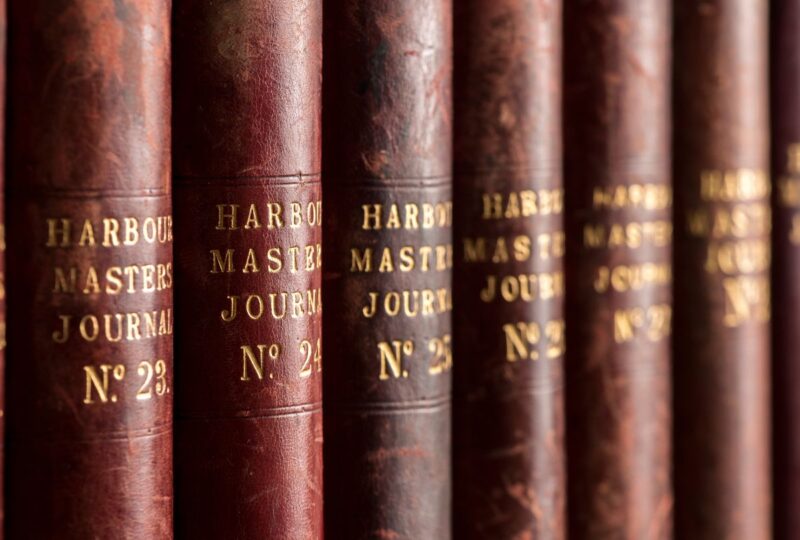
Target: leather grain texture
{"type": "Point", "coordinates": [618, 207]}
{"type": "Point", "coordinates": [508, 449]}
{"type": "Point", "coordinates": [785, 77]}
{"type": "Point", "coordinates": [247, 76]}
{"type": "Point", "coordinates": [388, 262]}
{"type": "Point", "coordinates": [89, 416]}
{"type": "Point", "coordinates": [722, 266]}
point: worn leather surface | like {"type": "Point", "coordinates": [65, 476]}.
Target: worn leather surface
{"type": "Point", "coordinates": [88, 140]}
{"type": "Point", "coordinates": [722, 223]}
{"type": "Point", "coordinates": [508, 449]}
{"type": "Point", "coordinates": [785, 77]}
{"type": "Point", "coordinates": [387, 126]}
{"type": "Point", "coordinates": [247, 77]}
{"type": "Point", "coordinates": [618, 210]}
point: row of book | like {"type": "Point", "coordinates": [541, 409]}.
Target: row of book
{"type": "Point", "coordinates": [545, 234]}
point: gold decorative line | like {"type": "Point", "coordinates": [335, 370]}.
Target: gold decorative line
{"type": "Point", "coordinates": [118, 435]}
{"type": "Point", "coordinates": [254, 414]}
{"type": "Point", "coordinates": [389, 407]}
{"type": "Point", "coordinates": [87, 194]}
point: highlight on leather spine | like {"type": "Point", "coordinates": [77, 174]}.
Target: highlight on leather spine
{"type": "Point", "coordinates": [722, 267]}
{"type": "Point", "coordinates": [509, 462]}
{"type": "Point", "coordinates": [785, 77]}
{"type": "Point", "coordinates": [89, 412]}
{"type": "Point", "coordinates": [388, 268]}
{"type": "Point", "coordinates": [618, 271]}
{"type": "Point", "coordinates": [248, 209]}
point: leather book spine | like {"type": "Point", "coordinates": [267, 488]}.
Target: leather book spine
{"type": "Point", "coordinates": [89, 414]}
{"type": "Point", "coordinates": [722, 270]}
{"type": "Point", "coordinates": [3, 37]}
{"type": "Point", "coordinates": [618, 208]}
{"type": "Point", "coordinates": [248, 209]}
{"type": "Point", "coordinates": [785, 77]}
{"type": "Point", "coordinates": [508, 330]}
{"type": "Point", "coordinates": [388, 268]}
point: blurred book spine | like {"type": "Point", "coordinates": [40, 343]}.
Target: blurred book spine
{"type": "Point", "coordinates": [618, 209]}
{"type": "Point", "coordinates": [722, 274]}
{"type": "Point", "coordinates": [508, 449]}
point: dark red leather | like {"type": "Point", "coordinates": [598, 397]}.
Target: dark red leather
{"type": "Point", "coordinates": [247, 77]}
{"type": "Point", "coordinates": [785, 37]}
{"type": "Point", "coordinates": [722, 258]}
{"type": "Point", "coordinates": [89, 415]}
{"type": "Point", "coordinates": [509, 457]}
{"type": "Point", "coordinates": [619, 277]}
{"type": "Point", "coordinates": [387, 128]}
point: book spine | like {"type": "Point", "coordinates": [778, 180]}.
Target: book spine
{"type": "Point", "coordinates": [248, 209]}
{"type": "Point", "coordinates": [89, 415]}
{"type": "Point", "coordinates": [388, 268]}
{"type": "Point", "coordinates": [3, 63]}
{"type": "Point", "coordinates": [785, 76]}
{"type": "Point", "coordinates": [618, 209]}
{"type": "Point", "coordinates": [508, 338]}
{"type": "Point", "coordinates": [722, 279]}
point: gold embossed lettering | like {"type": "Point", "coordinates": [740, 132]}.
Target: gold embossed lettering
{"type": "Point", "coordinates": [392, 355]}
{"type": "Point", "coordinates": [227, 215]}
{"type": "Point", "coordinates": [220, 265]}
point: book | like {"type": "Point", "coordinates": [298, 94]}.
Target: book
{"type": "Point", "coordinates": [722, 270]}
{"type": "Point", "coordinates": [785, 89]}
{"type": "Point", "coordinates": [3, 34]}
{"type": "Point", "coordinates": [618, 208]}
{"type": "Point", "coordinates": [508, 330]}
{"type": "Point", "coordinates": [387, 268]}
{"type": "Point", "coordinates": [89, 416]}
{"type": "Point", "coordinates": [248, 210]}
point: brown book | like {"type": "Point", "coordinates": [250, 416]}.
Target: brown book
{"type": "Point", "coordinates": [89, 414]}
{"type": "Point", "coordinates": [508, 336]}
{"type": "Point", "coordinates": [722, 266]}
{"type": "Point", "coordinates": [387, 268]}
{"type": "Point", "coordinates": [618, 210]}
{"type": "Point", "coordinates": [785, 76]}
{"type": "Point", "coordinates": [248, 235]}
